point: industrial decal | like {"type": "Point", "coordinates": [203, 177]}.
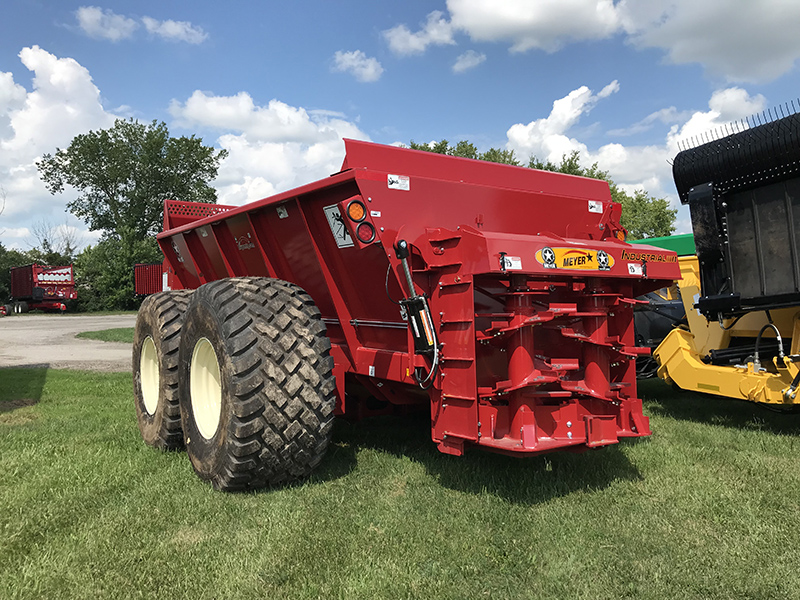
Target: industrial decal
{"type": "Point", "coordinates": [649, 256]}
{"type": "Point", "coordinates": [579, 259]}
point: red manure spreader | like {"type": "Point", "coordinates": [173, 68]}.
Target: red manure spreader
{"type": "Point", "coordinates": [41, 287]}
{"type": "Point", "coordinates": [500, 298]}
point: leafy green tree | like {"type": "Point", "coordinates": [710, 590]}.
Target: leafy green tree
{"type": "Point", "coordinates": [124, 174]}
{"type": "Point", "coordinates": [505, 157]}
{"type": "Point", "coordinates": [104, 272]}
{"type": "Point", "coordinates": [465, 149]}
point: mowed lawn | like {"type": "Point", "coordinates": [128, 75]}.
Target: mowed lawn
{"type": "Point", "coordinates": [706, 508]}
{"type": "Point", "coordinates": [119, 334]}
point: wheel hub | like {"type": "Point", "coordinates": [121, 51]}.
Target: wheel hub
{"type": "Point", "coordinates": [149, 375]}
{"type": "Point", "coordinates": [205, 388]}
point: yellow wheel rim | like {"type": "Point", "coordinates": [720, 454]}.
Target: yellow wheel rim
{"type": "Point", "coordinates": [205, 388]}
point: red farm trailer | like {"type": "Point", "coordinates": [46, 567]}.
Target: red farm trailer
{"type": "Point", "coordinates": [500, 298]}
{"type": "Point", "coordinates": [41, 287]}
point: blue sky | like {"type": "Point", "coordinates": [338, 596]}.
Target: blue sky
{"type": "Point", "coordinates": [279, 84]}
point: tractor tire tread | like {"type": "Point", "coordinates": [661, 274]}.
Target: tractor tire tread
{"type": "Point", "coordinates": [165, 310]}
{"type": "Point", "coordinates": [280, 381]}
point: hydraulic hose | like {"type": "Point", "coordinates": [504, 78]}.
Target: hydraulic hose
{"type": "Point", "coordinates": [756, 361]}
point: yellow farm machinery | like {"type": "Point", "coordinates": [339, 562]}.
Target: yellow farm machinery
{"type": "Point", "coordinates": [740, 335]}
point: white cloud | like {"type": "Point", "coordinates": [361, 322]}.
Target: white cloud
{"type": "Point", "coordinates": [631, 167]}
{"type": "Point", "coordinates": [275, 122]}
{"type": "Point", "coordinates": [469, 60]}
{"type": "Point", "coordinates": [363, 68]}
{"type": "Point", "coordinates": [175, 31]}
{"type": "Point", "coordinates": [104, 24]}
{"type": "Point", "coordinates": [436, 31]}
{"type": "Point", "coordinates": [62, 103]}
{"type": "Point", "coordinates": [546, 138]}
{"type": "Point", "coordinates": [271, 148]}
{"type": "Point", "coordinates": [736, 40]}
{"type": "Point", "coordinates": [544, 24]}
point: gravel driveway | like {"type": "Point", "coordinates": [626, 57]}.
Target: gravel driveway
{"type": "Point", "coordinates": [49, 341]}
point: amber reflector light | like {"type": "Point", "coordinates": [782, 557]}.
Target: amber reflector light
{"type": "Point", "coordinates": [356, 211]}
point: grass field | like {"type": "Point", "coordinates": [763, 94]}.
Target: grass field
{"type": "Point", "coordinates": [120, 334]}
{"type": "Point", "coordinates": [706, 508]}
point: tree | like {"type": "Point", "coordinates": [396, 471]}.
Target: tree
{"type": "Point", "coordinates": [104, 272]}
{"type": "Point", "coordinates": [124, 173]}
{"type": "Point", "coordinates": [466, 149]}
{"type": "Point", "coordinates": [55, 245]}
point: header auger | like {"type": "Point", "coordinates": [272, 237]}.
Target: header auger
{"type": "Point", "coordinates": [742, 291]}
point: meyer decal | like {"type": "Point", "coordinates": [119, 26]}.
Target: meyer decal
{"type": "Point", "coordinates": [574, 258]}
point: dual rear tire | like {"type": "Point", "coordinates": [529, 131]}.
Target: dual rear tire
{"type": "Point", "coordinates": [255, 385]}
{"type": "Point", "coordinates": [156, 344]}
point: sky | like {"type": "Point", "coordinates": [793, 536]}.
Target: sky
{"type": "Point", "coordinates": [281, 84]}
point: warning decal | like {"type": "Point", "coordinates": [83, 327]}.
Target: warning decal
{"type": "Point", "coordinates": [398, 182]}
{"type": "Point", "coordinates": [595, 206]}
{"type": "Point", "coordinates": [338, 228]}
{"type": "Point", "coordinates": [635, 269]}
{"type": "Point", "coordinates": [580, 259]}
{"type": "Point", "coordinates": [511, 263]}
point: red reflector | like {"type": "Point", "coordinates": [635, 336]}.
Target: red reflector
{"type": "Point", "coordinates": [365, 232]}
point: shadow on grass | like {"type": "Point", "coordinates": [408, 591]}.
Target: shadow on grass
{"type": "Point", "coordinates": [22, 384]}
{"type": "Point", "coordinates": [20, 388]}
{"type": "Point", "coordinates": [663, 400]}
{"type": "Point", "coordinates": [530, 480]}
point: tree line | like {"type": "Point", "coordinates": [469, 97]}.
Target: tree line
{"type": "Point", "coordinates": [124, 173]}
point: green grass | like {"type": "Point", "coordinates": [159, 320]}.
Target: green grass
{"type": "Point", "coordinates": [120, 334]}
{"type": "Point", "coordinates": [706, 508]}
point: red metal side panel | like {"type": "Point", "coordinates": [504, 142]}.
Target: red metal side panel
{"type": "Point", "coordinates": [22, 282]}
{"type": "Point", "coordinates": [148, 278]}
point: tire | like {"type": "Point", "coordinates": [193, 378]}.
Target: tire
{"type": "Point", "coordinates": [156, 345]}
{"type": "Point", "coordinates": [257, 384]}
